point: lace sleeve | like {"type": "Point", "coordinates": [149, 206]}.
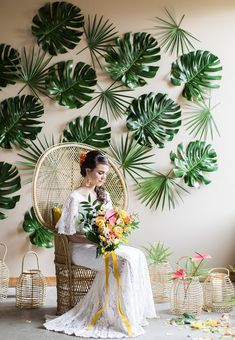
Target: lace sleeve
{"type": "Point", "coordinates": [108, 204]}
{"type": "Point", "coordinates": [68, 222]}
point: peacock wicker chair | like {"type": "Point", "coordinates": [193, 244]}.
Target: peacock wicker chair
{"type": "Point", "coordinates": [56, 174]}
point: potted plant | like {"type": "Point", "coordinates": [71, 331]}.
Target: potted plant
{"type": "Point", "coordinates": [160, 270]}
{"type": "Point", "coordinates": [231, 272]}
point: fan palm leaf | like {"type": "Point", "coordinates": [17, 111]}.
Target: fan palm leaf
{"type": "Point", "coordinates": [56, 27]}
{"type": "Point", "coordinates": [71, 90]}
{"type": "Point", "coordinates": [191, 164]}
{"type": "Point", "coordinates": [92, 131]}
{"type": "Point", "coordinates": [129, 62]}
{"type": "Point", "coordinates": [154, 118]}
{"type": "Point", "coordinates": [99, 33]}
{"type": "Point", "coordinates": [9, 61]}
{"type": "Point", "coordinates": [39, 235]}
{"type": "Point", "coordinates": [18, 120]}
{"type": "Point", "coordinates": [132, 157]}
{"type": "Point", "coordinates": [33, 71]}
{"type": "Point", "coordinates": [159, 190]}
{"type": "Point", "coordinates": [199, 120]}
{"type": "Point", "coordinates": [173, 37]}
{"type": "Point", "coordinates": [112, 101]}
{"type": "Point", "coordinates": [197, 71]}
{"type": "Point", "coordinates": [9, 183]}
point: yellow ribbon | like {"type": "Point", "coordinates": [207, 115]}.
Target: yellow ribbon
{"type": "Point", "coordinates": [97, 315]}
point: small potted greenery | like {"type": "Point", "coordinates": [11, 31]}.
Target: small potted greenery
{"type": "Point", "coordinates": [160, 270]}
{"type": "Point", "coordinates": [231, 272]}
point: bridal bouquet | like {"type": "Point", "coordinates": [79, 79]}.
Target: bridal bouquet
{"type": "Point", "coordinates": [108, 228]}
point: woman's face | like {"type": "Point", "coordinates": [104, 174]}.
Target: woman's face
{"type": "Point", "coordinates": [98, 175]}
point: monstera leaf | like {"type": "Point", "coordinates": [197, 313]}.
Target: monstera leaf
{"type": "Point", "coordinates": [71, 90]}
{"type": "Point", "coordinates": [159, 189]}
{"type": "Point", "coordinates": [197, 71]}
{"type": "Point", "coordinates": [18, 120]}
{"type": "Point", "coordinates": [92, 131]}
{"type": "Point", "coordinates": [56, 27]}
{"type": "Point", "coordinates": [130, 62]}
{"type": "Point", "coordinates": [132, 157]}
{"type": "Point", "coordinates": [191, 164]}
{"type": "Point", "coordinates": [154, 118]}
{"type": "Point", "coordinates": [40, 236]}
{"type": "Point", "coordinates": [9, 61]}
{"type": "Point", "coordinates": [9, 183]}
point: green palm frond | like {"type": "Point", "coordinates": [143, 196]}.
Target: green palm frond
{"type": "Point", "coordinates": [33, 152]}
{"type": "Point", "coordinates": [157, 253]}
{"type": "Point", "coordinates": [9, 183]}
{"type": "Point", "coordinates": [132, 157]}
{"type": "Point", "coordinates": [9, 62]}
{"type": "Point", "coordinates": [112, 101]}
{"type": "Point", "coordinates": [71, 90]}
{"type": "Point", "coordinates": [129, 61]}
{"type": "Point", "coordinates": [199, 120]}
{"type": "Point", "coordinates": [33, 71]}
{"type": "Point", "coordinates": [56, 27]}
{"type": "Point", "coordinates": [39, 235]}
{"type": "Point", "coordinates": [191, 164]}
{"type": "Point", "coordinates": [173, 37]}
{"type": "Point", "coordinates": [154, 118]}
{"type": "Point", "coordinates": [99, 34]}
{"type": "Point", "coordinates": [92, 131]}
{"type": "Point", "coordinates": [18, 120]}
{"type": "Point", "coordinates": [197, 71]}
{"type": "Point", "coordinates": [159, 190]}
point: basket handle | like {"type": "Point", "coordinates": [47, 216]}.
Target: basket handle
{"type": "Point", "coordinates": [220, 269]}
{"type": "Point", "coordinates": [5, 250]}
{"type": "Point", "coordinates": [29, 252]}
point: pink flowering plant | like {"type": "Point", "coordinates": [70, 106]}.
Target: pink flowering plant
{"type": "Point", "coordinates": [189, 267]}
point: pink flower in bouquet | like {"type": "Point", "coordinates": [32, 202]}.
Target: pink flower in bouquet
{"type": "Point", "coordinates": [200, 257]}
{"type": "Point", "coordinates": [111, 216]}
{"type": "Point", "coordinates": [179, 274]}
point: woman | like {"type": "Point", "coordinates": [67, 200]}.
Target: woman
{"type": "Point", "coordinates": [136, 295]}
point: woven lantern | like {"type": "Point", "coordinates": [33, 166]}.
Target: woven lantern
{"type": "Point", "coordinates": [30, 286]}
{"type": "Point", "coordinates": [160, 276]}
{"type": "Point", "coordinates": [218, 291]}
{"type": "Point", "coordinates": [4, 275]}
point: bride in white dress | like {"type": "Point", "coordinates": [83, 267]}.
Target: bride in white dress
{"type": "Point", "coordinates": [136, 295]}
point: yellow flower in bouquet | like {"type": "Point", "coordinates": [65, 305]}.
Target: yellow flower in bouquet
{"type": "Point", "coordinates": [100, 222]}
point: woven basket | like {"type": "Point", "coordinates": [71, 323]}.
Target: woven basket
{"type": "Point", "coordinates": [4, 275]}
{"type": "Point", "coordinates": [218, 291]}
{"type": "Point", "coordinates": [160, 276]}
{"type": "Point", "coordinates": [30, 286]}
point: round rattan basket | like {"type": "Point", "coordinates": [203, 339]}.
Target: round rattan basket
{"type": "Point", "coordinates": [4, 275]}
{"type": "Point", "coordinates": [160, 276]}
{"type": "Point", "coordinates": [30, 286]}
{"type": "Point", "coordinates": [218, 291]}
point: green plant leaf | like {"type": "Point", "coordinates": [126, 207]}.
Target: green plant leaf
{"type": "Point", "coordinates": [9, 61]}
{"type": "Point", "coordinates": [199, 120]}
{"type": "Point", "coordinates": [157, 253]}
{"type": "Point", "coordinates": [71, 90]}
{"type": "Point", "coordinates": [132, 157]}
{"type": "Point", "coordinates": [33, 71]}
{"type": "Point", "coordinates": [173, 37]}
{"type": "Point", "coordinates": [159, 190]}
{"type": "Point", "coordinates": [39, 235]}
{"type": "Point", "coordinates": [197, 70]}
{"type": "Point", "coordinates": [56, 27]}
{"type": "Point", "coordinates": [191, 164]}
{"type": "Point", "coordinates": [18, 120]}
{"type": "Point", "coordinates": [129, 62]}
{"type": "Point", "coordinates": [9, 183]}
{"type": "Point", "coordinates": [154, 118]}
{"type": "Point", "coordinates": [99, 34]}
{"type": "Point", "coordinates": [92, 131]}
{"type": "Point", "coordinates": [33, 152]}
{"type": "Point", "coordinates": [112, 101]}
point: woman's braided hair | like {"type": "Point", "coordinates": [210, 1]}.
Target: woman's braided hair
{"type": "Point", "coordinates": [90, 161]}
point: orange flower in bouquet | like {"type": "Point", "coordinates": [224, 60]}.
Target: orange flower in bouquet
{"type": "Point", "coordinates": [107, 228]}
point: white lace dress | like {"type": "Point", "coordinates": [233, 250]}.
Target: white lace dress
{"type": "Point", "coordinates": [136, 294]}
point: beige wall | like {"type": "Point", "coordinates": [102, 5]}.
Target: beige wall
{"type": "Point", "coordinates": [206, 220]}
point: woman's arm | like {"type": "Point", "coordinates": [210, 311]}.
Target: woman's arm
{"type": "Point", "coordinates": [78, 238]}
